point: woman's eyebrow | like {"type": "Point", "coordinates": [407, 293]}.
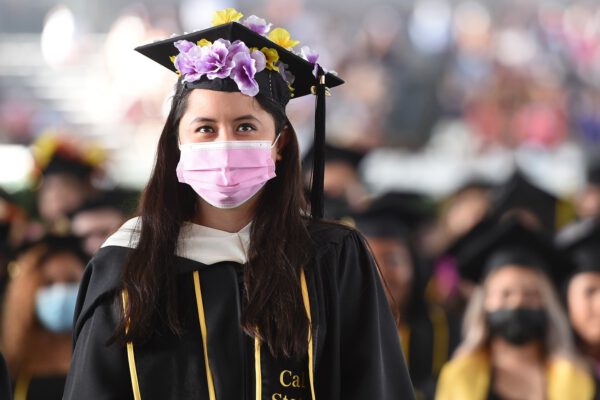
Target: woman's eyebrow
{"type": "Point", "coordinates": [211, 120]}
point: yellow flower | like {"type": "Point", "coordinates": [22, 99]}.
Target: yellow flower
{"type": "Point", "coordinates": [272, 57]}
{"type": "Point", "coordinates": [44, 148]}
{"type": "Point", "coordinates": [203, 42]}
{"type": "Point", "coordinates": [226, 16]}
{"type": "Point", "coordinates": [172, 58]}
{"type": "Point", "coordinates": [282, 38]}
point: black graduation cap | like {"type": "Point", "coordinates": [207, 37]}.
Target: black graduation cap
{"type": "Point", "coordinates": [334, 154]}
{"type": "Point", "coordinates": [520, 194]}
{"type": "Point", "coordinates": [118, 199]}
{"type": "Point", "coordinates": [581, 242]}
{"type": "Point", "coordinates": [593, 172]}
{"type": "Point", "coordinates": [509, 242]}
{"type": "Point", "coordinates": [64, 164]}
{"type": "Point", "coordinates": [394, 214]}
{"type": "Point", "coordinates": [270, 83]}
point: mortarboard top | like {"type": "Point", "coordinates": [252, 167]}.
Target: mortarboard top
{"type": "Point", "coordinates": [520, 193]}
{"type": "Point", "coordinates": [55, 153]}
{"type": "Point", "coordinates": [61, 164]}
{"type": "Point", "coordinates": [509, 242]}
{"type": "Point", "coordinates": [593, 172]}
{"type": "Point", "coordinates": [394, 214]}
{"type": "Point", "coordinates": [581, 242]}
{"type": "Point", "coordinates": [162, 51]}
{"type": "Point", "coordinates": [284, 74]}
{"type": "Point", "coordinates": [333, 153]}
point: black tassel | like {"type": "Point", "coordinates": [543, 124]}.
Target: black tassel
{"type": "Point", "coordinates": [316, 194]}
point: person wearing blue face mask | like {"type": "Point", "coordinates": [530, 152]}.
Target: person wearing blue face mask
{"type": "Point", "coordinates": [38, 314]}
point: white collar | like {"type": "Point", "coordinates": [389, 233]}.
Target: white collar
{"type": "Point", "coordinates": [196, 242]}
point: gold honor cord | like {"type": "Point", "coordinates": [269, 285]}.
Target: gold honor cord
{"type": "Point", "coordinates": [203, 331]}
{"type": "Point", "coordinates": [131, 357]}
{"type": "Point", "coordinates": [200, 304]}
{"type": "Point", "coordinates": [22, 387]}
{"type": "Point", "coordinates": [306, 301]}
{"type": "Point", "coordinates": [257, 368]}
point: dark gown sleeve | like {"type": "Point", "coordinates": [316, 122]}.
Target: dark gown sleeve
{"type": "Point", "coordinates": [98, 371]}
{"type": "Point", "coordinates": [372, 363]}
{"type": "Point", "coordinates": [5, 389]}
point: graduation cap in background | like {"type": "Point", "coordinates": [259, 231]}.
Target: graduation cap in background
{"type": "Point", "coordinates": [333, 153]}
{"type": "Point", "coordinates": [519, 194]}
{"type": "Point", "coordinates": [121, 200]}
{"type": "Point", "coordinates": [593, 172]}
{"type": "Point", "coordinates": [581, 242]}
{"type": "Point", "coordinates": [233, 56]}
{"type": "Point", "coordinates": [56, 153]}
{"type": "Point", "coordinates": [509, 242]}
{"type": "Point", "coordinates": [394, 214]}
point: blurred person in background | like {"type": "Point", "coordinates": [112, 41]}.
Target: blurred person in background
{"type": "Point", "coordinates": [464, 209]}
{"type": "Point", "coordinates": [428, 337]}
{"type": "Point", "coordinates": [66, 169]}
{"type": "Point", "coordinates": [517, 342]}
{"type": "Point", "coordinates": [37, 318]}
{"type": "Point", "coordinates": [342, 187]}
{"type": "Point", "coordinates": [13, 223]}
{"type": "Point", "coordinates": [588, 199]}
{"type": "Point", "coordinates": [582, 289]}
{"type": "Point", "coordinates": [97, 219]}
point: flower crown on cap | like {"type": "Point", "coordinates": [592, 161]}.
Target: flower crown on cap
{"type": "Point", "coordinates": [234, 60]}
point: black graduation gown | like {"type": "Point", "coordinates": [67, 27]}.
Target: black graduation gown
{"type": "Point", "coordinates": [357, 352]}
{"type": "Point", "coordinates": [39, 388]}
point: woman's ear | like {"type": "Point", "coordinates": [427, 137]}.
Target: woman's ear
{"type": "Point", "coordinates": [282, 141]}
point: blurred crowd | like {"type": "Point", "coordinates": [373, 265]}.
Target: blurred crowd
{"type": "Point", "coordinates": [465, 146]}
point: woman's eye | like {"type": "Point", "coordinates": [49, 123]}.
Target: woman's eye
{"type": "Point", "coordinates": [204, 129]}
{"type": "Point", "coordinates": [246, 128]}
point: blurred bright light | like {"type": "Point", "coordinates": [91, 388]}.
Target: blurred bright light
{"type": "Point", "coordinates": [58, 36]}
{"type": "Point", "coordinates": [15, 165]}
{"type": "Point", "coordinates": [472, 23]}
{"type": "Point", "coordinates": [515, 47]}
{"type": "Point", "coordinates": [196, 15]}
{"type": "Point", "coordinates": [430, 24]}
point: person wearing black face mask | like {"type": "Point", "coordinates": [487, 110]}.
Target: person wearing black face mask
{"type": "Point", "coordinates": [517, 343]}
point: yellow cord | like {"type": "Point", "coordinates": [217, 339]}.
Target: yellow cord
{"type": "Point", "coordinates": [131, 357]}
{"type": "Point", "coordinates": [306, 301]}
{"type": "Point", "coordinates": [441, 338]}
{"type": "Point", "coordinates": [22, 387]}
{"type": "Point", "coordinates": [209, 378]}
{"type": "Point", "coordinates": [257, 368]}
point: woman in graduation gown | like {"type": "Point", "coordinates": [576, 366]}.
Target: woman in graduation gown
{"type": "Point", "coordinates": [427, 335]}
{"type": "Point", "coordinates": [581, 242]}
{"type": "Point", "coordinates": [517, 342]}
{"type": "Point", "coordinates": [37, 316]}
{"type": "Point", "coordinates": [223, 287]}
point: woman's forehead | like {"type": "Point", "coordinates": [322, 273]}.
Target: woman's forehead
{"type": "Point", "coordinates": [213, 103]}
{"type": "Point", "coordinates": [512, 275]}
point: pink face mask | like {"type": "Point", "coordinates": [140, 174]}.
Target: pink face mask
{"type": "Point", "coordinates": [226, 174]}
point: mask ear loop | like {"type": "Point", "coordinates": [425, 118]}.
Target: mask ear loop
{"type": "Point", "coordinates": [276, 140]}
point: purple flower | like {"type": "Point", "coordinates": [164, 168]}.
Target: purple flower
{"type": "Point", "coordinates": [184, 46]}
{"type": "Point", "coordinates": [309, 55]}
{"type": "Point", "coordinates": [186, 63]}
{"type": "Point", "coordinates": [214, 61]}
{"type": "Point", "coordinates": [287, 76]}
{"type": "Point", "coordinates": [236, 47]}
{"type": "Point", "coordinates": [260, 59]}
{"type": "Point", "coordinates": [243, 74]}
{"type": "Point", "coordinates": [257, 25]}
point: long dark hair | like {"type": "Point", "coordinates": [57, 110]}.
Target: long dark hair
{"type": "Point", "coordinates": [279, 245]}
